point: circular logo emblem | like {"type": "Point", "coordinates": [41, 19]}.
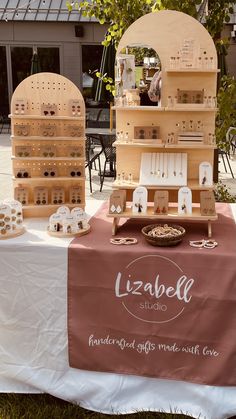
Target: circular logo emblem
{"type": "Point", "coordinates": [153, 289]}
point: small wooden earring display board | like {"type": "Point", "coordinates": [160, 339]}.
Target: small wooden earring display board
{"type": "Point", "coordinates": [161, 202]}
{"type": "Point", "coordinates": [75, 195]}
{"type": "Point", "coordinates": [23, 151]}
{"type": "Point", "coordinates": [21, 194]}
{"type": "Point", "coordinates": [140, 196]}
{"type": "Point", "coordinates": [48, 109]}
{"type": "Point", "coordinates": [57, 196]}
{"type": "Point", "coordinates": [74, 152]}
{"type": "Point", "coordinates": [207, 203]}
{"type": "Point", "coordinates": [20, 107]}
{"type": "Point", "coordinates": [22, 173]}
{"type": "Point", "coordinates": [147, 133]}
{"type": "Point", "coordinates": [68, 224]}
{"type": "Point", "coordinates": [11, 221]}
{"type": "Point", "coordinates": [117, 202]}
{"type": "Point", "coordinates": [73, 130]}
{"type": "Point", "coordinates": [49, 172]}
{"type": "Point", "coordinates": [205, 174]}
{"type": "Point", "coordinates": [48, 151]}
{"type": "Point", "coordinates": [48, 130]}
{"type": "Point", "coordinates": [40, 195]}
{"type": "Point", "coordinates": [76, 171]}
{"type": "Point", "coordinates": [184, 201]}
{"type": "Point", "coordinates": [21, 130]}
{"type": "Point", "coordinates": [75, 107]}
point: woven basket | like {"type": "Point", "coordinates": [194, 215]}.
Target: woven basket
{"type": "Point", "coordinates": [163, 241]}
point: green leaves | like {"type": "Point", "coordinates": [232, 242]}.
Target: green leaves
{"type": "Point", "coordinates": [226, 115]}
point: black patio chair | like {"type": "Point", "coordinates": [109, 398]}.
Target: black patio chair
{"type": "Point", "coordinates": [110, 158]}
{"type": "Point", "coordinates": [92, 155]}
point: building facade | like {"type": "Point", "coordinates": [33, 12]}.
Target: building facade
{"type": "Point", "coordinates": [64, 43]}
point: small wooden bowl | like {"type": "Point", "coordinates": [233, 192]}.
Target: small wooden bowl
{"type": "Point", "coordinates": [163, 241]}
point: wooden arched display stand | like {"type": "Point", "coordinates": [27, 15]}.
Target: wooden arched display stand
{"type": "Point", "coordinates": [48, 147]}
{"type": "Point", "coordinates": [185, 118]}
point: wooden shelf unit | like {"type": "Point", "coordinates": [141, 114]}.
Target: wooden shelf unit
{"type": "Point", "coordinates": [168, 118]}
{"type": "Point", "coordinates": [64, 131]}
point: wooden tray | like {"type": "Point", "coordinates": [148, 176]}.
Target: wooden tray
{"type": "Point", "coordinates": [61, 234]}
{"type": "Point", "coordinates": [13, 234]}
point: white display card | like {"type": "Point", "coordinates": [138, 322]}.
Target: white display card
{"type": "Point", "coordinates": [184, 201]}
{"type": "Point", "coordinates": [55, 222]}
{"type": "Point", "coordinates": [69, 225]}
{"type": "Point", "coordinates": [16, 213]}
{"type": "Point", "coordinates": [167, 169]}
{"type": "Point", "coordinates": [80, 217]}
{"type": "Point", "coordinates": [140, 196]}
{"type": "Point", "coordinates": [78, 212]}
{"type": "Point", "coordinates": [63, 211]}
{"type": "Point", "coordinates": [205, 174]}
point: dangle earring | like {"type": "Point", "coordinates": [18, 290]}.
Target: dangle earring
{"type": "Point", "coordinates": [204, 179]}
{"type": "Point", "coordinates": [183, 206]}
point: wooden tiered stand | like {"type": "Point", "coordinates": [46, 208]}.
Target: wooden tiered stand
{"type": "Point", "coordinates": [154, 30]}
{"type": "Point", "coordinates": [48, 127]}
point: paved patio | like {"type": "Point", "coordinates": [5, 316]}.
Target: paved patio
{"type": "Point", "coordinates": [6, 187]}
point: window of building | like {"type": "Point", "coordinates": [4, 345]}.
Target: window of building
{"type": "Point", "coordinates": [21, 59]}
{"type": "Point", "coordinates": [91, 62]}
{"type": "Point", "coordinates": [4, 104]}
{"type": "Point", "coordinates": [49, 59]}
{"type": "Point", "coordinates": [20, 64]}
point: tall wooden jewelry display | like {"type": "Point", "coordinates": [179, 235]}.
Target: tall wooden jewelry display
{"type": "Point", "coordinates": [48, 147]}
{"type": "Point", "coordinates": [182, 74]}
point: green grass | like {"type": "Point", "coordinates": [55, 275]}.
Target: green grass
{"type": "Point", "coordinates": [43, 406]}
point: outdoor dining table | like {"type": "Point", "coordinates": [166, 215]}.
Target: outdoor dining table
{"type": "Point", "coordinates": [105, 137]}
{"type": "Point", "coordinates": [34, 342]}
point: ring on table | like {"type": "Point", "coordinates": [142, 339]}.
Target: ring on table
{"type": "Point", "coordinates": [123, 240]}
{"type": "Point", "coordinates": [207, 244]}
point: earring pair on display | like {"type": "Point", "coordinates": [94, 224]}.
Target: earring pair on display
{"type": "Point", "coordinates": [116, 209]}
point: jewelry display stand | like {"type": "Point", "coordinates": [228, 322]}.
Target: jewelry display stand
{"type": "Point", "coordinates": [66, 223]}
{"type": "Point", "coordinates": [189, 74]}
{"type": "Point", "coordinates": [11, 219]}
{"type": "Point", "coordinates": [48, 146]}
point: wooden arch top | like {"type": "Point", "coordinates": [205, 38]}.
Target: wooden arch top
{"type": "Point", "coordinates": [165, 32]}
{"type": "Point", "coordinates": [47, 88]}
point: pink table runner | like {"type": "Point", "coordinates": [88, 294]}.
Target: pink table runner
{"type": "Point", "coordinates": [159, 312]}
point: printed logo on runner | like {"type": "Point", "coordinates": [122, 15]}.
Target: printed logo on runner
{"type": "Point", "coordinates": [154, 289]}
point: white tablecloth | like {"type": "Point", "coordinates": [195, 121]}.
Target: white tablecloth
{"type": "Point", "coordinates": [33, 341]}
